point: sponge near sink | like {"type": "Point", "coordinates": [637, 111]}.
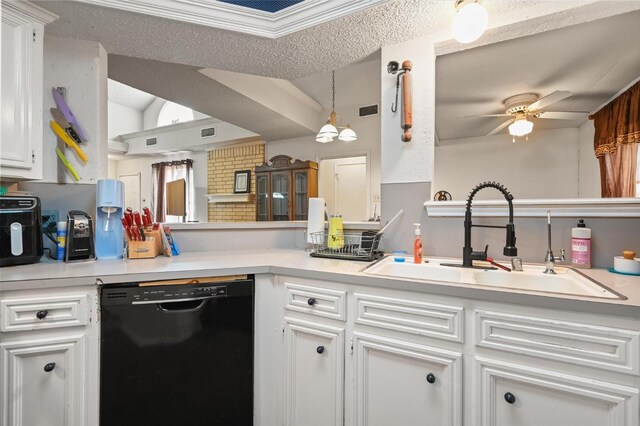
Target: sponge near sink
{"type": "Point", "coordinates": [627, 263]}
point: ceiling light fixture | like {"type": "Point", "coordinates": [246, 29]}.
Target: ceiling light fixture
{"type": "Point", "coordinates": [520, 127]}
{"type": "Point", "coordinates": [471, 21]}
{"type": "Point", "coordinates": [330, 130]}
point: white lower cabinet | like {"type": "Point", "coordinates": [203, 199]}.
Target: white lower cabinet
{"type": "Point", "coordinates": [314, 372]}
{"type": "Point", "coordinates": [517, 395]}
{"type": "Point", "coordinates": [49, 357]}
{"type": "Point", "coordinates": [400, 383]}
{"type": "Point", "coordinates": [365, 356]}
{"type": "Point", "coordinates": [44, 381]}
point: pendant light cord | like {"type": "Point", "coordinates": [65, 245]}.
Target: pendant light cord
{"type": "Point", "coordinates": [333, 90]}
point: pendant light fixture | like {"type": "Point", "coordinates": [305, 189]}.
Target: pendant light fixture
{"type": "Point", "coordinates": [329, 131]}
{"type": "Point", "coordinates": [471, 21]}
{"type": "Point", "coordinates": [520, 127]}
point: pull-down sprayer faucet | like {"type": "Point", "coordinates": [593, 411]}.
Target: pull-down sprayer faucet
{"type": "Point", "coordinates": [510, 249]}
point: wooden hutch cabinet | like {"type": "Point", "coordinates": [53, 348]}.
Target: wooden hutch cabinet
{"type": "Point", "coordinates": [284, 187]}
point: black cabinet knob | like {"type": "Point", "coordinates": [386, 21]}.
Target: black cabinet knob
{"type": "Point", "coordinates": [311, 301]}
{"type": "Point", "coordinates": [431, 378]}
{"type": "Point", "coordinates": [509, 397]}
{"type": "Point", "coordinates": [42, 314]}
{"type": "Point", "coordinates": [49, 367]}
{"type": "Point", "coordinates": [320, 349]}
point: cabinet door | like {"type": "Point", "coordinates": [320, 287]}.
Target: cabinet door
{"type": "Point", "coordinates": [401, 383]}
{"type": "Point", "coordinates": [300, 195]}
{"type": "Point", "coordinates": [515, 395]}
{"type": "Point", "coordinates": [21, 153]}
{"type": "Point", "coordinates": [280, 195]}
{"type": "Point", "coordinates": [43, 382]}
{"type": "Point", "coordinates": [262, 197]}
{"type": "Point", "coordinates": [314, 379]}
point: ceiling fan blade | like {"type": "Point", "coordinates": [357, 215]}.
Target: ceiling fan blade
{"type": "Point", "coordinates": [552, 98]}
{"type": "Point", "coordinates": [484, 115]}
{"type": "Point", "coordinates": [564, 115]}
{"type": "Point", "coordinates": [500, 127]}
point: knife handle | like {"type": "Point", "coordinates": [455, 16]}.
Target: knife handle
{"type": "Point", "coordinates": [66, 139]}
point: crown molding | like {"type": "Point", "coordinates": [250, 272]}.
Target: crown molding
{"type": "Point", "coordinates": [231, 17]}
{"type": "Point", "coordinates": [575, 207]}
{"type": "Point", "coordinates": [27, 12]}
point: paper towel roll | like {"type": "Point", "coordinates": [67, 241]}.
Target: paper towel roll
{"type": "Point", "coordinates": [315, 221]}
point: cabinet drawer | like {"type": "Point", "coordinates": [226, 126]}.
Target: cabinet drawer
{"type": "Point", "coordinates": [35, 313]}
{"type": "Point", "coordinates": [582, 344]}
{"type": "Point", "coordinates": [322, 302]}
{"type": "Point", "coordinates": [411, 316]}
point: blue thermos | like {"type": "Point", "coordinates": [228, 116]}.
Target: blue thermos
{"type": "Point", "coordinates": [109, 212]}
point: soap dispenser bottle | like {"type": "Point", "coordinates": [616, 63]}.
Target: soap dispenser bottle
{"type": "Point", "coordinates": [581, 246]}
{"type": "Point", "coordinates": [417, 245]}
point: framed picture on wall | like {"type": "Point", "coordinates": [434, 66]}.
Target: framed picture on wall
{"type": "Point", "coordinates": [242, 182]}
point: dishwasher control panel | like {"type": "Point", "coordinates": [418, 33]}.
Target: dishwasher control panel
{"type": "Point", "coordinates": [158, 294]}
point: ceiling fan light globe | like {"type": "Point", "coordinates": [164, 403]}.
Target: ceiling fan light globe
{"type": "Point", "coordinates": [470, 23]}
{"type": "Point", "coordinates": [328, 130]}
{"type": "Point", "coordinates": [520, 127]}
{"type": "Point", "coordinates": [348, 135]}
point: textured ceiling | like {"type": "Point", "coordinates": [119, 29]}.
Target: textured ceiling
{"type": "Point", "coordinates": [332, 45]}
{"type": "Point", "coordinates": [594, 60]}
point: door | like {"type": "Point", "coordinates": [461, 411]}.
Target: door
{"type": "Point", "coordinates": [44, 382]}
{"type": "Point", "coordinates": [301, 195]}
{"type": "Point", "coordinates": [400, 383]}
{"type": "Point", "coordinates": [131, 191]}
{"type": "Point", "coordinates": [344, 186]}
{"type": "Point", "coordinates": [262, 197]}
{"type": "Point", "coordinates": [314, 369]}
{"type": "Point", "coordinates": [516, 395]}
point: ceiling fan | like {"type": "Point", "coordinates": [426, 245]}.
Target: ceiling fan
{"type": "Point", "coordinates": [521, 108]}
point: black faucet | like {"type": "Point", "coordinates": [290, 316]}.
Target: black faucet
{"type": "Point", "coordinates": [468, 255]}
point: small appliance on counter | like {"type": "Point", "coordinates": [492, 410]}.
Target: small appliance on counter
{"type": "Point", "coordinates": [80, 243]}
{"type": "Point", "coordinates": [109, 214]}
{"type": "Point", "coordinates": [20, 230]}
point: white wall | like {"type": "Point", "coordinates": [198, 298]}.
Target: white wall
{"type": "Point", "coordinates": [544, 167]}
{"type": "Point", "coordinates": [81, 67]}
{"type": "Point", "coordinates": [589, 178]}
{"type": "Point", "coordinates": [150, 115]}
{"type": "Point", "coordinates": [143, 166]}
{"type": "Point", "coordinates": [357, 85]}
{"type": "Point", "coordinates": [123, 120]}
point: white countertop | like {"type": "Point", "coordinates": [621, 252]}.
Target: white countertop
{"type": "Point", "coordinates": [298, 263]}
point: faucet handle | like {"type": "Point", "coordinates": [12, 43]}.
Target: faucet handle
{"type": "Point", "coordinates": [480, 255]}
{"type": "Point", "coordinates": [561, 258]}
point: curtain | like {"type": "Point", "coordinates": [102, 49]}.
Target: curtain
{"type": "Point", "coordinates": [169, 171]}
{"type": "Point", "coordinates": [617, 134]}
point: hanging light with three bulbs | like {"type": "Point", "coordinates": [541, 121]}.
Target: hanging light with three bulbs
{"type": "Point", "coordinates": [329, 131]}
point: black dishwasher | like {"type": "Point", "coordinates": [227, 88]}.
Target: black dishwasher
{"type": "Point", "coordinates": [177, 354]}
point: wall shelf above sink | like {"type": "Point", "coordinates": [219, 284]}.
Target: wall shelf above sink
{"type": "Point", "coordinates": [230, 198]}
{"type": "Point", "coordinates": [577, 207]}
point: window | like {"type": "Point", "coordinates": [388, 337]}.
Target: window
{"type": "Point", "coordinates": [171, 171]}
{"type": "Point", "coordinates": [172, 113]}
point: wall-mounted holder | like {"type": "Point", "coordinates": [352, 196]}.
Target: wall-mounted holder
{"type": "Point", "coordinates": [406, 122]}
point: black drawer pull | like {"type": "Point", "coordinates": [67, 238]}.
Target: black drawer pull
{"type": "Point", "coordinates": [320, 349]}
{"type": "Point", "coordinates": [311, 301]}
{"type": "Point", "coordinates": [509, 397]}
{"type": "Point", "coordinates": [49, 367]}
{"type": "Point", "coordinates": [431, 378]}
{"type": "Point", "coordinates": [42, 314]}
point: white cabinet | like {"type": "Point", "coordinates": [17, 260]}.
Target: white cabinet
{"type": "Point", "coordinates": [314, 371]}
{"type": "Point", "coordinates": [519, 395]}
{"type": "Point", "coordinates": [21, 148]}
{"type": "Point", "coordinates": [402, 383]}
{"type": "Point", "coordinates": [49, 357]}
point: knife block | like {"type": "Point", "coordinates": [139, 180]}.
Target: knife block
{"type": "Point", "coordinates": [147, 249]}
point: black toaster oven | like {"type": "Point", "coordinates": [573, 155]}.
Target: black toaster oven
{"type": "Point", "coordinates": [20, 230]}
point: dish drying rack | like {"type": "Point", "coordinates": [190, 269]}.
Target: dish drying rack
{"type": "Point", "coordinates": [346, 245]}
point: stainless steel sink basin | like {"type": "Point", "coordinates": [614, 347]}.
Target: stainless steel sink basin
{"type": "Point", "coordinates": [567, 281]}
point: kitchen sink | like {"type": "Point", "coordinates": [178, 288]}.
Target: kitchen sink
{"type": "Point", "coordinates": [566, 281]}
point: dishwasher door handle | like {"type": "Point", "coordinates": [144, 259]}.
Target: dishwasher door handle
{"type": "Point", "coordinates": [170, 301]}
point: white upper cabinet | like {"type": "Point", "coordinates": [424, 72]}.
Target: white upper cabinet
{"type": "Point", "coordinates": [22, 87]}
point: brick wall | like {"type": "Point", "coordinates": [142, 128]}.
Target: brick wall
{"type": "Point", "coordinates": [221, 165]}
